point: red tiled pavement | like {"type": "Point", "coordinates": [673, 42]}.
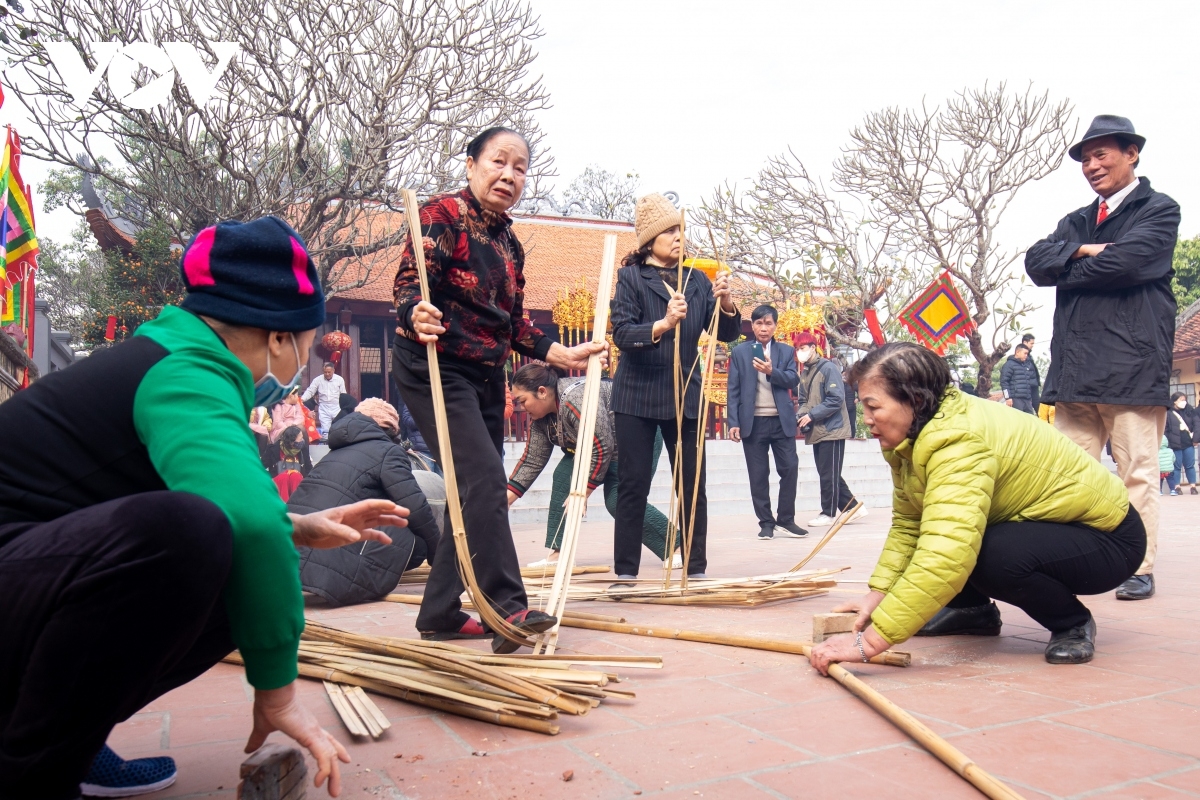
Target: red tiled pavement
{"type": "Point", "coordinates": [720, 722]}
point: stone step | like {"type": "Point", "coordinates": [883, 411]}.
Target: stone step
{"type": "Point", "coordinates": [727, 487]}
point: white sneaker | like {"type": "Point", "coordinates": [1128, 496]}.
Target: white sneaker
{"type": "Point", "coordinates": [857, 515]}
{"type": "Point", "coordinates": [548, 561]}
{"type": "Point", "coordinates": [820, 522]}
{"type": "Point", "coordinates": [677, 561]}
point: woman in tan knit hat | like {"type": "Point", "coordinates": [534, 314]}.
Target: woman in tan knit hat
{"type": "Point", "coordinates": [647, 314]}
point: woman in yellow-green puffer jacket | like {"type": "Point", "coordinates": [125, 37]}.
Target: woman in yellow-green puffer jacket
{"type": "Point", "coordinates": [988, 503]}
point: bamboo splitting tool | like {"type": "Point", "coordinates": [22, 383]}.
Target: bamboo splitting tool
{"type": "Point", "coordinates": [936, 745]}
{"type": "Point", "coordinates": [577, 499]}
{"type": "Point", "coordinates": [487, 613]}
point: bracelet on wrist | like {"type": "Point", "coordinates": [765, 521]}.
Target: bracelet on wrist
{"type": "Point", "coordinates": [858, 643]}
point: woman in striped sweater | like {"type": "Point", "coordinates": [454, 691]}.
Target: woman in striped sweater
{"type": "Point", "coordinates": [553, 403]}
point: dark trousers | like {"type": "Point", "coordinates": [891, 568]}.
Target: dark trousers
{"type": "Point", "coordinates": [767, 435]}
{"type": "Point", "coordinates": [835, 494]}
{"type": "Point", "coordinates": [1039, 567]}
{"type": "Point", "coordinates": [101, 611]}
{"type": "Point", "coordinates": [475, 415]}
{"type": "Point", "coordinates": [654, 527]}
{"type": "Point", "coordinates": [1024, 404]}
{"type": "Point", "coordinates": [635, 444]}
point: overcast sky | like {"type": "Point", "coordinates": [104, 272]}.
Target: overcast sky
{"type": "Point", "coordinates": [757, 77]}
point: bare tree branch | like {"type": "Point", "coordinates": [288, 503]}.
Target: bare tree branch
{"type": "Point", "coordinates": [327, 112]}
{"type": "Point", "coordinates": [944, 178]}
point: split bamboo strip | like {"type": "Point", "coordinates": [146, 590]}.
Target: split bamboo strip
{"type": "Point", "coordinates": [372, 709]}
{"type": "Point", "coordinates": [842, 519]}
{"type": "Point", "coordinates": [462, 548]}
{"type": "Point", "coordinates": [577, 499]}
{"type": "Point", "coordinates": [947, 753]}
{"type": "Point", "coordinates": [889, 657]}
{"type": "Point", "coordinates": [344, 710]}
{"type": "Point", "coordinates": [373, 726]}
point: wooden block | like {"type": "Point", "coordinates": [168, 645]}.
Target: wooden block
{"type": "Point", "coordinates": [273, 772]}
{"type": "Point", "coordinates": [826, 625]}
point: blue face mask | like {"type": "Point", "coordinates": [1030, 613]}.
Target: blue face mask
{"type": "Point", "coordinates": [269, 391]}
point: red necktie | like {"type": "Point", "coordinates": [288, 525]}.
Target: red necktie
{"type": "Point", "coordinates": [1102, 214]}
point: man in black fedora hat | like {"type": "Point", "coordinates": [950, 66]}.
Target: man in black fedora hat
{"type": "Point", "coordinates": [1114, 319]}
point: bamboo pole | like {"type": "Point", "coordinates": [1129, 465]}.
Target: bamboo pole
{"type": "Point", "coordinates": [487, 613]}
{"type": "Point", "coordinates": [577, 499]}
{"type": "Point", "coordinates": [675, 518]}
{"type": "Point", "coordinates": [945, 752]}
{"type": "Point", "coordinates": [936, 745]}
{"type": "Point", "coordinates": [889, 657]}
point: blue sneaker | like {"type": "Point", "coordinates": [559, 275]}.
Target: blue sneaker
{"type": "Point", "coordinates": [113, 776]}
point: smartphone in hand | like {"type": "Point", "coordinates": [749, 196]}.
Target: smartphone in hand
{"type": "Point", "coordinates": [758, 351]}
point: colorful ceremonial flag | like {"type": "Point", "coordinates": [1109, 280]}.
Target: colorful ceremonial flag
{"type": "Point", "coordinates": [18, 244]}
{"type": "Point", "coordinates": [19, 258]}
{"type": "Point", "coordinates": [938, 316]}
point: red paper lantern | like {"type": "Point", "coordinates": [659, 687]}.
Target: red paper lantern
{"type": "Point", "coordinates": [336, 342]}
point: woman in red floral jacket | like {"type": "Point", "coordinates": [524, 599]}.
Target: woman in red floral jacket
{"type": "Point", "coordinates": [476, 316]}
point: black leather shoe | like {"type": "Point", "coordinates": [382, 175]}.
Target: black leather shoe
{"type": "Point", "coordinates": [793, 529]}
{"type": "Point", "coordinates": [1138, 587]}
{"type": "Point", "coordinates": [766, 531]}
{"type": "Point", "coordinates": [1074, 645]}
{"type": "Point", "coordinates": [974, 621]}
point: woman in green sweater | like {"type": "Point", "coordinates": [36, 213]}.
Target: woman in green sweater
{"type": "Point", "coordinates": [141, 540]}
{"type": "Point", "coordinates": [989, 503]}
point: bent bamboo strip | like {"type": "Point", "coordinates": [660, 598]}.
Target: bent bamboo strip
{"type": "Point", "coordinates": [487, 613]}
{"type": "Point", "coordinates": [842, 519]}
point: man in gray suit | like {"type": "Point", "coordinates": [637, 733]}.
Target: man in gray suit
{"type": "Point", "coordinates": [762, 417]}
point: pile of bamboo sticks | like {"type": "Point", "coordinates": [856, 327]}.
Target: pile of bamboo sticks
{"type": "Point", "coordinates": [536, 575]}
{"type": "Point", "coordinates": [751, 591]}
{"type": "Point", "coordinates": [518, 691]}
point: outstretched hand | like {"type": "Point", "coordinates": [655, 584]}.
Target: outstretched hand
{"type": "Point", "coordinates": [342, 525]}
{"type": "Point", "coordinates": [574, 358]}
{"type": "Point", "coordinates": [280, 710]}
